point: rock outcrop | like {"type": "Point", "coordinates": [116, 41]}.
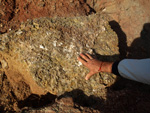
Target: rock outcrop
{"type": "Point", "coordinates": [43, 53]}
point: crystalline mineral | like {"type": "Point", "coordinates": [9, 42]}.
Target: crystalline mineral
{"type": "Point", "coordinates": [47, 54]}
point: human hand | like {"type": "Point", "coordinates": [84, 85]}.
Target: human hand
{"type": "Point", "coordinates": [92, 64]}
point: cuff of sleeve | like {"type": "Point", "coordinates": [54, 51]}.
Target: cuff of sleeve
{"type": "Point", "coordinates": [115, 68]}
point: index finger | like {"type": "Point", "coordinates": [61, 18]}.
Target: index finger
{"type": "Point", "coordinates": [89, 56]}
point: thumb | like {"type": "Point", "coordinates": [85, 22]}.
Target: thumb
{"type": "Point", "coordinates": [88, 76]}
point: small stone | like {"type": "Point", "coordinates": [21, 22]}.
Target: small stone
{"type": "Point", "coordinates": [1, 25]}
{"type": "Point", "coordinates": [4, 64]}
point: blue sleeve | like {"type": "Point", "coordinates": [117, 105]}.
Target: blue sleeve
{"type": "Point", "coordinates": [133, 69]}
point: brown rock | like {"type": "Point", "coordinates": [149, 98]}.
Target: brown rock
{"type": "Point", "coordinates": [131, 15]}
{"type": "Point", "coordinates": [43, 54]}
{"type": "Point", "coordinates": [13, 12]}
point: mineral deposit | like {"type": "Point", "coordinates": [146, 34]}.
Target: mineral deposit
{"type": "Point", "coordinates": [46, 50]}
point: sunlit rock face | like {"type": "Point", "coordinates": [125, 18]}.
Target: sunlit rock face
{"type": "Point", "coordinates": [47, 50]}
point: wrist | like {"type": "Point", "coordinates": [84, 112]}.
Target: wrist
{"type": "Point", "coordinates": [100, 67]}
{"type": "Point", "coordinates": [106, 67]}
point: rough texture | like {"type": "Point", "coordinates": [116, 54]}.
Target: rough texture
{"type": "Point", "coordinates": [12, 12]}
{"type": "Point", "coordinates": [130, 14]}
{"type": "Point", "coordinates": [63, 105]}
{"type": "Point", "coordinates": [47, 49]}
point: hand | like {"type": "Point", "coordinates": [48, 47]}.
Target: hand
{"type": "Point", "coordinates": [94, 65]}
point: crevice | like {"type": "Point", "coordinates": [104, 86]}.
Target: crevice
{"type": "Point", "coordinates": [91, 9]}
{"type": "Point", "coordinates": [13, 12]}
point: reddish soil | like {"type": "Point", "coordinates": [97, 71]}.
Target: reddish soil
{"type": "Point", "coordinates": [12, 12]}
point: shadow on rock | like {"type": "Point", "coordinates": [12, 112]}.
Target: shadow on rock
{"type": "Point", "coordinates": [81, 99]}
{"type": "Point", "coordinates": [130, 100]}
{"type": "Point", "coordinates": [122, 38]}
{"type": "Point", "coordinates": [140, 47]}
{"type": "Point", "coordinates": [36, 101]}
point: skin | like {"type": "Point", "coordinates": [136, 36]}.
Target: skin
{"type": "Point", "coordinates": [94, 65]}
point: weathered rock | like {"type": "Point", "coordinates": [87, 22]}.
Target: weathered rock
{"type": "Point", "coordinates": [12, 13]}
{"type": "Point", "coordinates": [43, 53]}
{"type": "Point", "coordinates": [63, 105]}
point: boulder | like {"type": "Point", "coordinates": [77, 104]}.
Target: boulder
{"type": "Point", "coordinates": [43, 54]}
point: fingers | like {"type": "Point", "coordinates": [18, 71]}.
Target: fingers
{"type": "Point", "coordinates": [84, 57]}
{"type": "Point", "coordinates": [82, 61]}
{"type": "Point", "coordinates": [89, 56]}
{"type": "Point", "coordinates": [88, 76]}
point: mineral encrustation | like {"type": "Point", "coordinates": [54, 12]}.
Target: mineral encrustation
{"type": "Point", "coordinates": [46, 50]}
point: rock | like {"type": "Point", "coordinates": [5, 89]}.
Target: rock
{"type": "Point", "coordinates": [131, 15]}
{"type": "Point", "coordinates": [63, 105]}
{"type": "Point", "coordinates": [3, 64]}
{"type": "Point", "coordinates": [97, 5]}
{"type": "Point", "coordinates": [12, 13]}
{"type": "Point", "coordinates": [43, 53]}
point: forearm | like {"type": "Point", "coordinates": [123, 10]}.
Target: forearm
{"type": "Point", "coordinates": [138, 70]}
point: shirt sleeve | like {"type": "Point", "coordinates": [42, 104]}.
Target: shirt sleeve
{"type": "Point", "coordinates": [133, 69]}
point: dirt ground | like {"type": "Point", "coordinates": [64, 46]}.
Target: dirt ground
{"type": "Point", "coordinates": [124, 96]}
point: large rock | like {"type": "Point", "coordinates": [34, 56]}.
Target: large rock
{"type": "Point", "coordinates": [43, 54]}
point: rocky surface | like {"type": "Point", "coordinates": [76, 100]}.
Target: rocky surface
{"type": "Point", "coordinates": [130, 14]}
{"type": "Point", "coordinates": [63, 105]}
{"type": "Point", "coordinates": [47, 49]}
{"type": "Point", "coordinates": [118, 100]}
{"type": "Point", "coordinates": [129, 19]}
{"type": "Point", "coordinates": [12, 12]}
